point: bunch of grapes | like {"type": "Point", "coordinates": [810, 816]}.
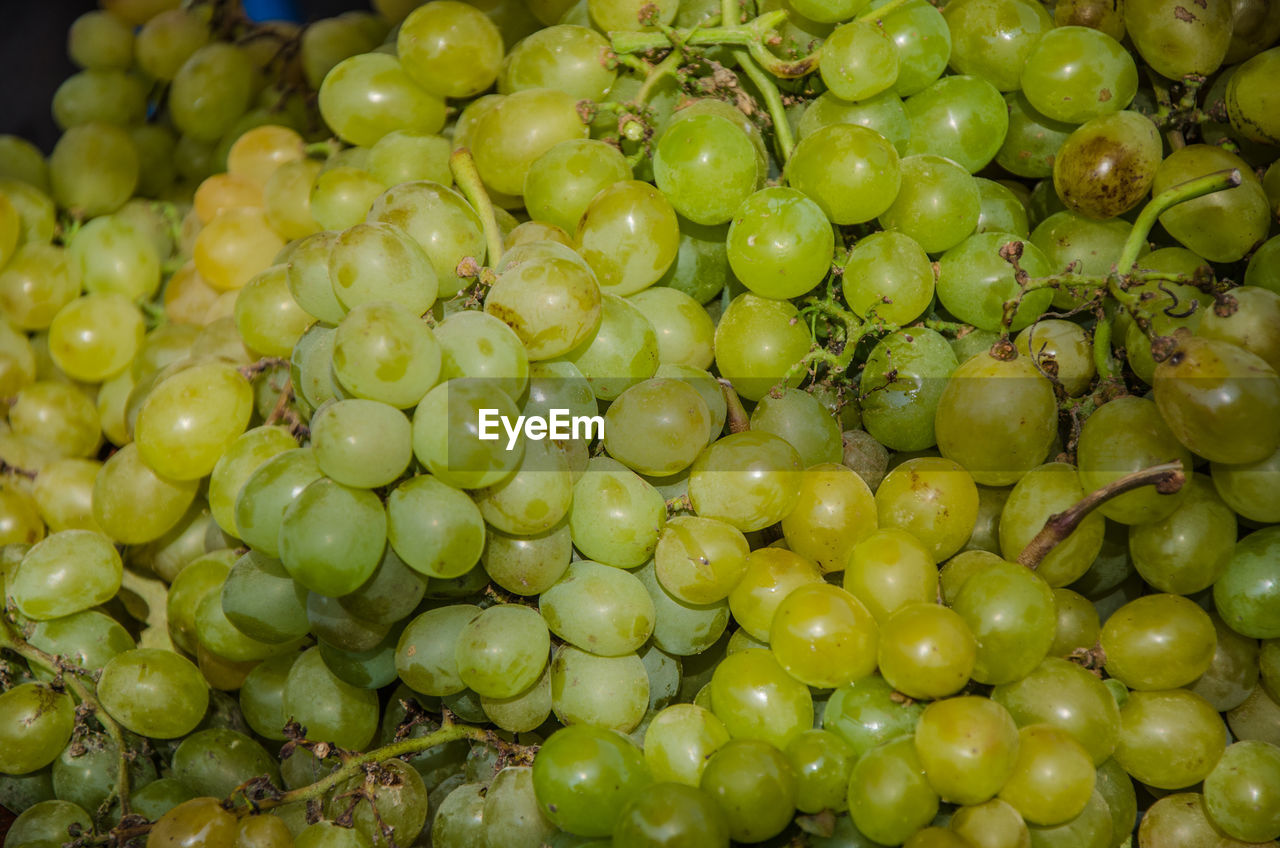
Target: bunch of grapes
{"type": "Point", "coordinates": [499, 424]}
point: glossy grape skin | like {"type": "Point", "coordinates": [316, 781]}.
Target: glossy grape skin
{"type": "Point", "coordinates": [749, 480]}
{"type": "Point", "coordinates": [1010, 612]}
{"type": "Point", "coordinates": [1188, 551]}
{"type": "Point", "coordinates": [867, 713]}
{"type": "Point", "coordinates": [66, 573]}
{"type": "Point", "coordinates": [1063, 694]}
{"type": "Point", "coordinates": [779, 243]}
{"type": "Point", "coordinates": [754, 785]}
{"type": "Point", "coordinates": [923, 39]}
{"type": "Point", "coordinates": [616, 517]}
{"type": "Point", "coordinates": [1032, 142]}
{"type": "Point", "coordinates": [200, 821]}
{"type": "Point", "coordinates": [1149, 719]}
{"type": "Point", "coordinates": [888, 265]}
{"type": "Point", "coordinates": [657, 427]}
{"type": "Point", "coordinates": [851, 172]}
{"type": "Point", "coordinates": [685, 330]}
{"type": "Point", "coordinates": [756, 699]}
{"type": "Point", "coordinates": [824, 636]}
{"type": "Point", "coordinates": [822, 761]}
{"type": "Point", "coordinates": [926, 651]}
{"type": "Point", "coordinates": [598, 608]}
{"type": "Point", "coordinates": [992, 824]}
{"type": "Point", "coordinates": [629, 236]}
{"type": "Point", "coordinates": [890, 569]}
{"type": "Point", "coordinates": [1233, 673]}
{"type": "Point", "coordinates": [369, 95]}
{"type": "Point", "coordinates": [1066, 343]}
{"type": "Point", "coordinates": [584, 776]}
{"type": "Point", "coordinates": [510, 136]}
{"type": "Point", "coordinates": [1123, 436]}
{"type": "Point", "coordinates": [332, 536]}
{"type": "Point", "coordinates": [553, 304]}
{"type": "Point", "coordinates": [451, 50]}
{"type": "Point", "coordinates": [835, 511]}
{"type": "Point", "coordinates": [962, 118]}
{"type": "Point", "coordinates": [35, 725]}
{"type": "Point", "coordinates": [992, 39]}
{"type": "Point", "coordinates": [883, 113]}
{"type": "Point", "coordinates": [757, 341]}
{"type": "Point", "coordinates": [1041, 493]}
{"type": "Point", "coordinates": [331, 709]}
{"type": "Point", "coordinates": [902, 382]}
{"type": "Point", "coordinates": [93, 168]}
{"type": "Point", "coordinates": [705, 167]}
{"type": "Point", "coordinates": [153, 692]}
{"type": "Point", "coordinates": [679, 740]}
{"type": "Point", "coordinates": [1053, 779]}
{"type": "Point", "coordinates": [700, 560]}
{"type": "Point", "coordinates": [1174, 44]}
{"type": "Point", "coordinates": [1076, 73]}
{"type": "Point", "coordinates": [858, 61]}
{"type": "Point", "coordinates": [1247, 595]}
{"type": "Point", "coordinates": [1198, 224]}
{"type": "Point", "coordinates": [889, 796]}
{"type": "Point", "coordinates": [968, 747]}
{"type": "Point", "coordinates": [938, 205]}
{"type": "Point", "coordinates": [671, 814]}
{"type": "Point", "coordinates": [1252, 112]}
{"type": "Point", "coordinates": [46, 820]}
{"type": "Point", "coordinates": [1240, 792]}
{"type": "Point", "coordinates": [561, 182]}
{"type": "Point", "coordinates": [1107, 165]}
{"type": "Point", "coordinates": [932, 498]}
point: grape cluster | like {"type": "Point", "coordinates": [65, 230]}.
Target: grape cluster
{"type": "Point", "coordinates": [920, 483]}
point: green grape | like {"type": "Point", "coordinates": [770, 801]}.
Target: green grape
{"type": "Point", "coordinates": [502, 651]}
{"type": "Point", "coordinates": [671, 814]}
{"type": "Point", "coordinates": [268, 492]}
{"type": "Point", "coordinates": [1107, 165]}
{"type": "Point", "coordinates": [780, 242]}
{"type": "Point", "coordinates": [369, 95]}
{"type": "Point", "coordinates": [332, 537]}
{"type": "Point", "coordinates": [616, 517]}
{"type": "Point", "coordinates": [108, 95]}
{"type": "Point", "coordinates": [923, 39]}
{"type": "Point", "coordinates": [828, 11]}
{"type": "Point", "coordinates": [657, 427]}
{"type": "Point", "coordinates": [511, 813]}
{"type": "Point", "coordinates": [526, 565]}
{"type": "Point", "coordinates": [850, 171]}
{"type": "Point", "coordinates": [1078, 624]}
{"type": "Point", "coordinates": [1062, 694]}
{"type": "Point", "coordinates": [889, 796]}
{"type": "Point", "coordinates": [682, 628]}
{"type": "Point", "coordinates": [883, 113]}
{"type": "Point", "coordinates": [511, 135]}
{"type": "Point", "coordinates": [685, 330]}
{"type": "Point", "coordinates": [211, 89]}
{"type": "Point", "coordinates": [902, 381]}
{"type": "Point", "coordinates": [1220, 400]}
{"type": "Point", "coordinates": [113, 254]}
{"type": "Point", "coordinates": [823, 762]}
{"type": "Point", "coordinates": [569, 58]}
{"type": "Point", "coordinates": [757, 342]}
{"type": "Point", "coordinates": [153, 692]}
{"type": "Point", "coordinates": [600, 609]}
{"type": "Point", "coordinates": [1248, 327]}
{"type": "Point", "coordinates": [342, 196]}
{"type": "Point", "coordinates": [37, 214]}
{"type": "Point", "coordinates": [1067, 346]}
{"type": "Point", "coordinates": [1126, 435]}
{"type": "Point", "coordinates": [35, 725]}
{"type": "Point", "coordinates": [991, 824]}
{"type": "Point", "coordinates": [890, 569]}
{"type": "Point", "coordinates": [1033, 143]}
{"type": "Point", "coordinates": [181, 437]}
{"type": "Point", "coordinates": [679, 741]}
{"type": "Point", "coordinates": [93, 169]}
{"type": "Point", "coordinates": [1239, 794]}
{"type": "Point", "coordinates": [553, 303]}
{"type": "Point", "coordinates": [1247, 594]}
{"type": "Point", "coordinates": [757, 699]}
{"type": "Point", "coordinates": [330, 709]}
{"type": "Point", "coordinates": [383, 352]}
{"type": "Point", "coordinates": [267, 317]}
{"type": "Point", "coordinates": [1174, 44]}
{"type": "Point", "coordinates": [961, 118]}
{"type": "Point", "coordinates": [991, 38]}
{"type": "Point", "coordinates": [259, 599]}
{"type": "Point", "coordinates": [99, 39]}
{"type": "Point", "coordinates": [834, 513]}
{"type": "Point", "coordinates": [755, 787]}
{"type": "Point", "coordinates": [403, 156]}
{"type": "Point", "coordinates": [535, 498]}
{"type": "Point", "coordinates": [458, 820]}
{"type": "Point", "coordinates": [1053, 778]}
{"type": "Point", "coordinates": [46, 820]}
{"type": "Point", "coordinates": [1075, 73]}
{"type": "Point", "coordinates": [1040, 494]}
{"type": "Point", "coordinates": [262, 696]}
{"type": "Point", "coordinates": [200, 820]}
{"type": "Point", "coordinates": [436, 529]}
{"type": "Point", "coordinates": [937, 207]}
{"type": "Point", "coordinates": [1181, 818]}
{"type": "Point", "coordinates": [57, 416]}
{"type": "Point", "coordinates": [1149, 719]}
{"type": "Point", "coordinates": [245, 455]}
{"type": "Point", "coordinates": [628, 15]}
{"type": "Point", "coordinates": [524, 711]}
{"type": "Point", "coordinates": [629, 235]}
{"type": "Point", "coordinates": [1008, 407]}
{"type": "Point", "coordinates": [977, 284]}
{"type": "Point", "coordinates": [66, 573]}
{"type": "Point", "coordinates": [584, 777]}
{"type": "Point", "coordinates": [926, 651]}
{"type": "Point", "coordinates": [968, 747]}
{"type": "Point", "coordinates": [87, 638]}
{"type": "Point", "coordinates": [749, 480]}
{"type": "Point", "coordinates": [932, 498]}
{"type": "Point", "coordinates": [1234, 672]}
{"type": "Point", "coordinates": [610, 692]}
{"type": "Point", "coordinates": [425, 657]}
{"type": "Point", "coordinates": [705, 166]}
{"type": "Point", "coordinates": [327, 42]}
{"type": "Point", "coordinates": [361, 443]}
{"type": "Point", "coordinates": [1187, 551]}
{"type": "Point", "coordinates": [888, 274]}
{"type": "Point", "coordinates": [262, 832]}
{"type": "Point", "coordinates": [823, 636]}
{"type": "Point", "coordinates": [1251, 112]}
{"type": "Point", "coordinates": [561, 182]}
{"type": "Point", "coordinates": [452, 50]}
{"type": "Point", "coordinates": [1257, 718]}
{"type": "Point", "coordinates": [214, 762]}
{"type": "Point", "coordinates": [858, 60]}
{"type": "Point", "coordinates": [328, 834]}
{"type": "Point", "coordinates": [1197, 224]}
{"type": "Point", "coordinates": [1010, 612]}
{"type": "Point", "coordinates": [216, 635]}
{"type": "Point", "coordinates": [380, 262]}
{"type": "Point", "coordinates": [803, 422]}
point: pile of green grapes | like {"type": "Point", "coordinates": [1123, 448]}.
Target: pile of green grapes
{"type": "Point", "coordinates": [927, 492]}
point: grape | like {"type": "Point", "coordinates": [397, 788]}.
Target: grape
{"type": "Point", "coordinates": [679, 740]}
{"type": "Point", "coordinates": [705, 167]}
{"type": "Point", "coordinates": [57, 416]}
{"type": "Point", "coordinates": [823, 636]}
{"type": "Point", "coordinates": [88, 638]}
{"type": "Point", "coordinates": [451, 50]}
{"type": "Point", "coordinates": [1009, 610]}
{"type": "Point", "coordinates": [962, 118]}
{"type": "Point", "coordinates": [268, 492]}
{"type": "Point", "coordinates": [511, 135]}
{"type": "Point", "coordinates": [190, 419]}
{"type": "Point", "coordinates": [584, 776]}
{"type": "Point", "coordinates": [235, 246]}
{"type": "Point", "coordinates": [260, 600]}
{"type": "Point", "coordinates": [1066, 345]}
{"type": "Point", "coordinates": [890, 569]}
{"type": "Point", "coordinates": [902, 382]}
{"type": "Point", "coordinates": [93, 169]}
{"type": "Point", "coordinates": [779, 243]}
{"type": "Point", "coordinates": [923, 39]}
{"type": "Point", "coordinates": [671, 814]}
{"type": "Point", "coordinates": [671, 413]}
{"type": "Point", "coordinates": [851, 172]}
{"type": "Point", "coordinates": [749, 480]}
{"type": "Point", "coordinates": [992, 39]}
{"type": "Point", "coordinates": [600, 609]}
{"type": "Point", "coordinates": [1245, 488]}
{"type": "Point", "coordinates": [1053, 779]}
{"type": "Point", "coordinates": [992, 824]}
{"type": "Point", "coordinates": [755, 787]}
{"type": "Point", "coordinates": [681, 628]}
{"type": "Point", "coordinates": [35, 724]}
{"type": "Point", "coordinates": [361, 443]}
{"type": "Point", "coordinates": [1056, 82]}
{"type": "Point", "coordinates": [341, 196]}
{"type": "Point", "coordinates": [926, 651]}
{"type": "Point", "coordinates": [1126, 435]}
{"type": "Point", "coordinates": [1246, 595]}
{"type": "Point", "coordinates": [977, 284]}
{"type": "Point", "coordinates": [1176, 44]}
{"type": "Point", "coordinates": [214, 762]}
{"type": "Point", "coordinates": [888, 274]}
{"type": "Point", "coordinates": [1238, 793]}
{"type": "Point", "coordinates": [65, 573]}
{"type": "Point", "coordinates": [553, 304]}
{"type": "Point", "coordinates": [858, 60]}
{"type": "Point", "coordinates": [367, 96]}
{"type": "Point", "coordinates": [1147, 718]}
{"type": "Point", "coordinates": [889, 796]}
{"type": "Point", "coordinates": [932, 498]}
{"type": "Point", "coordinates": [757, 341]}
{"type": "Point", "coordinates": [383, 352]}
{"type": "Point", "coordinates": [883, 113]}
{"type": "Point", "coordinates": [1197, 223]}
{"type": "Point", "coordinates": [1250, 111]}
{"type": "Point", "coordinates": [1189, 550]}
{"type": "Point", "coordinates": [629, 236]}
{"type": "Point", "coordinates": [803, 422]}
{"type": "Point", "coordinates": [153, 692]}
{"type": "Point", "coordinates": [1040, 494]}
{"type": "Point", "coordinates": [968, 747]}
{"type": "Point", "coordinates": [1063, 694]}
{"type": "Point", "coordinates": [834, 513]}
{"type": "Point", "coordinates": [685, 330]}
{"type": "Point", "coordinates": [937, 207]}
{"type": "Point", "coordinates": [379, 262]}
{"type": "Point", "coordinates": [1107, 165]}
{"type": "Point", "coordinates": [616, 517]}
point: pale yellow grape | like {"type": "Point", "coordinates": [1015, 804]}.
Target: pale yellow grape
{"type": "Point", "coordinates": [234, 246]}
{"type": "Point", "coordinates": [257, 154]}
{"type": "Point", "coordinates": [269, 320]}
{"type": "Point", "coordinates": [37, 282]}
{"type": "Point", "coordinates": [287, 198]}
{"type": "Point", "coordinates": [190, 419]}
{"type": "Point", "coordinates": [132, 504]}
{"type": "Point", "coordinates": [95, 337]}
{"type": "Point", "coordinates": [68, 572]}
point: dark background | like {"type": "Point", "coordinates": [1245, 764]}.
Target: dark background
{"type": "Point", "coordinates": [33, 58]}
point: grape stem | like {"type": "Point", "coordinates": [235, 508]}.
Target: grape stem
{"type": "Point", "coordinates": [1161, 203]}
{"type": "Point", "coordinates": [772, 101]}
{"type": "Point", "coordinates": [752, 35]}
{"type": "Point", "coordinates": [1167, 477]}
{"type": "Point", "coordinates": [468, 179]}
{"type": "Point", "coordinates": [69, 674]}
